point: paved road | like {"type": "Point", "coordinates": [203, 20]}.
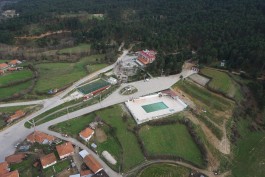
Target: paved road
{"type": "Point", "coordinates": [150, 162]}
{"type": "Point", "coordinates": [56, 100]}
{"type": "Point", "coordinates": [16, 133]}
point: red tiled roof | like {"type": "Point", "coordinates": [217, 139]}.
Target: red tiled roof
{"type": "Point", "coordinates": [65, 149]}
{"type": "Point", "coordinates": [13, 62]}
{"type": "Point", "coordinates": [39, 137]}
{"type": "Point", "coordinates": [48, 159]}
{"type": "Point", "coordinates": [12, 69]}
{"type": "Point", "coordinates": [15, 116]}
{"type": "Point", "coordinates": [142, 60]}
{"type": "Point", "coordinates": [11, 174]}
{"type": "Point", "coordinates": [3, 65]}
{"type": "Point", "coordinates": [148, 53]}
{"type": "Point", "coordinates": [92, 163]}
{"type": "Point", "coordinates": [15, 158]}
{"type": "Point", "coordinates": [85, 172]}
{"type": "Point", "coordinates": [3, 168]}
{"type": "Point", "coordinates": [86, 133]}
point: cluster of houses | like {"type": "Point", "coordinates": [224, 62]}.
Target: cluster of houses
{"type": "Point", "coordinates": [64, 150]}
{"type": "Point", "coordinates": [10, 66]}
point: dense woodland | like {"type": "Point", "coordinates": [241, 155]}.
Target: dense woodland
{"type": "Point", "coordinates": [231, 30]}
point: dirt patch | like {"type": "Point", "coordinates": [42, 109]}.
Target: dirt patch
{"type": "Point", "coordinates": [100, 135]}
{"type": "Point", "coordinates": [64, 173]}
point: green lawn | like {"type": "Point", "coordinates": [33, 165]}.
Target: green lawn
{"type": "Point", "coordinates": [57, 75]}
{"type": "Point", "coordinates": [77, 49]}
{"type": "Point", "coordinates": [3, 61]}
{"type": "Point", "coordinates": [249, 153]}
{"type": "Point", "coordinates": [15, 76]}
{"type": "Point", "coordinates": [58, 167]}
{"type": "Point", "coordinates": [112, 115]}
{"type": "Point", "coordinates": [12, 109]}
{"type": "Point", "coordinates": [132, 154]}
{"type": "Point", "coordinates": [222, 82]}
{"type": "Point", "coordinates": [164, 170]}
{"type": "Point", "coordinates": [9, 91]}
{"type": "Point", "coordinates": [95, 67]}
{"type": "Point", "coordinates": [205, 96]}
{"type": "Point", "coordinates": [74, 126]}
{"type": "Point", "coordinates": [171, 140]}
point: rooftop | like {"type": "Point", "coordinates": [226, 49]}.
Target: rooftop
{"type": "Point", "coordinates": [65, 148]}
{"type": "Point", "coordinates": [87, 132]}
{"type": "Point", "coordinates": [39, 137]}
{"type": "Point", "coordinates": [92, 163]}
{"type": "Point", "coordinates": [15, 158]}
{"type": "Point", "coordinates": [47, 159]}
{"type": "Point", "coordinates": [3, 65]}
{"type": "Point", "coordinates": [11, 174]}
{"type": "Point", "coordinates": [3, 168]}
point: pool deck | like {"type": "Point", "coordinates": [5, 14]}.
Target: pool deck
{"type": "Point", "coordinates": [141, 116]}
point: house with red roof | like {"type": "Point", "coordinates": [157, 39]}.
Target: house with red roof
{"type": "Point", "coordinates": [86, 134]}
{"type": "Point", "coordinates": [40, 137]}
{"type": "Point", "coordinates": [146, 57]}
{"type": "Point", "coordinates": [86, 173]}
{"type": "Point", "coordinates": [15, 158]}
{"type": "Point", "coordinates": [11, 174]}
{"type": "Point", "coordinates": [3, 67]}
{"type": "Point", "coordinates": [65, 150]}
{"type": "Point", "coordinates": [92, 164]}
{"type": "Point", "coordinates": [18, 114]}
{"type": "Point", "coordinates": [14, 63]}
{"type": "Point", "coordinates": [4, 168]}
{"type": "Point", "coordinates": [48, 160]}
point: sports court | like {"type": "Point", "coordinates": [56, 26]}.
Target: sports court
{"type": "Point", "coordinates": [154, 106]}
{"type": "Point", "coordinates": [93, 86]}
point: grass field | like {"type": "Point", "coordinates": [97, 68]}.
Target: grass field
{"type": "Point", "coordinates": [171, 140]}
{"type": "Point", "coordinates": [9, 91]}
{"type": "Point", "coordinates": [132, 155]}
{"type": "Point", "coordinates": [112, 115]}
{"type": "Point", "coordinates": [222, 82]}
{"type": "Point", "coordinates": [58, 167]}
{"type": "Point", "coordinates": [15, 76]}
{"type": "Point", "coordinates": [249, 153]}
{"type": "Point", "coordinates": [164, 170]}
{"type": "Point", "coordinates": [13, 108]}
{"type": "Point", "coordinates": [57, 75]}
{"type": "Point", "coordinates": [203, 95]}
{"type": "Point", "coordinates": [77, 49]}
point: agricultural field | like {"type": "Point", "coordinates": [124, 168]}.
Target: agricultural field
{"type": "Point", "coordinates": [249, 153]}
{"type": "Point", "coordinates": [206, 97]}
{"type": "Point", "coordinates": [77, 49]}
{"type": "Point", "coordinates": [58, 75]}
{"type": "Point", "coordinates": [164, 170]}
{"type": "Point", "coordinates": [222, 82]}
{"type": "Point", "coordinates": [132, 155]}
{"type": "Point", "coordinates": [9, 91]}
{"type": "Point", "coordinates": [170, 140]}
{"type": "Point", "coordinates": [10, 77]}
